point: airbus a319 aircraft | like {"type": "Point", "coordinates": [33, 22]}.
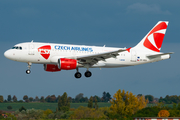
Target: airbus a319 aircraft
{"type": "Point", "coordinates": [57, 57]}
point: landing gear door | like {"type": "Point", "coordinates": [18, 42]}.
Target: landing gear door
{"type": "Point", "coordinates": [133, 56]}
{"type": "Point", "coordinates": [31, 49]}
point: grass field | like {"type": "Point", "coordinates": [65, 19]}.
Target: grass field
{"type": "Point", "coordinates": [44, 106]}
{"type": "Point", "coordinates": [52, 106]}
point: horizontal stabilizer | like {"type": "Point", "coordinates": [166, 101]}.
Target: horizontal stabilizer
{"type": "Point", "coordinates": [158, 55]}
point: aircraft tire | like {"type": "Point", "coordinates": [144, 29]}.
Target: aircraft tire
{"type": "Point", "coordinates": [88, 74]}
{"type": "Point", "coordinates": [77, 75]}
{"type": "Point", "coordinates": [28, 71]}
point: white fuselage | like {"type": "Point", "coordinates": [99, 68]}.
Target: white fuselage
{"type": "Point", "coordinates": [30, 52]}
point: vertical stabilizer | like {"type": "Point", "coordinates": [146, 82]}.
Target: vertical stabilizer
{"type": "Point", "coordinates": [154, 39]}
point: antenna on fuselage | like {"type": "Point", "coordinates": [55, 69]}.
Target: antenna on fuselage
{"type": "Point", "coordinates": [32, 41]}
{"type": "Point", "coordinates": [104, 46]}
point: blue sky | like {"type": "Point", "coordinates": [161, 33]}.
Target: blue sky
{"type": "Point", "coordinates": [116, 23]}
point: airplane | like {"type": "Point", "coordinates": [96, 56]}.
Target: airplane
{"type": "Point", "coordinates": [57, 57]}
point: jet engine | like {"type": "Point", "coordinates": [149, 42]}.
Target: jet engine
{"type": "Point", "coordinates": [67, 64]}
{"type": "Point", "coordinates": [63, 64]}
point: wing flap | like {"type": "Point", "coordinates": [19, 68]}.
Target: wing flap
{"type": "Point", "coordinates": [94, 58]}
{"type": "Point", "coordinates": [105, 54]}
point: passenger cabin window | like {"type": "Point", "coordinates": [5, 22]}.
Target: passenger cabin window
{"type": "Point", "coordinates": [17, 47]}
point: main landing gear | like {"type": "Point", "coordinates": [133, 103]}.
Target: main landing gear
{"type": "Point", "coordinates": [77, 75]}
{"type": "Point", "coordinates": [86, 74]}
{"type": "Point", "coordinates": [28, 71]}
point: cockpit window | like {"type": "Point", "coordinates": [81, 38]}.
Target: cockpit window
{"type": "Point", "coordinates": [17, 47]}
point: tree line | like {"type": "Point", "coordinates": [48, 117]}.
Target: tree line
{"type": "Point", "coordinates": [53, 99]}
{"type": "Point", "coordinates": [81, 99]}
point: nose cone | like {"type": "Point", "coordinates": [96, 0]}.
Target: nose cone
{"type": "Point", "coordinates": [8, 54]}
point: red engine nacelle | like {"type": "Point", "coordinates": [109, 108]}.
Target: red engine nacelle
{"type": "Point", "coordinates": [51, 68]}
{"type": "Point", "coordinates": [63, 64]}
{"type": "Point", "coordinates": [67, 64]}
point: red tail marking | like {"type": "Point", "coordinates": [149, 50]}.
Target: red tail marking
{"type": "Point", "coordinates": [128, 49]}
{"type": "Point", "coordinates": [158, 37]}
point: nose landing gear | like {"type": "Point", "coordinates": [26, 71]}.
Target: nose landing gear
{"type": "Point", "coordinates": [28, 71]}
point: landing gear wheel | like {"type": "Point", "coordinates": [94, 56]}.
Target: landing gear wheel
{"type": "Point", "coordinates": [77, 75]}
{"type": "Point", "coordinates": [88, 74]}
{"type": "Point", "coordinates": [28, 71]}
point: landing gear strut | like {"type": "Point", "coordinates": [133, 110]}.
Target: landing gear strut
{"type": "Point", "coordinates": [77, 74]}
{"type": "Point", "coordinates": [87, 73]}
{"type": "Point", "coordinates": [28, 71]}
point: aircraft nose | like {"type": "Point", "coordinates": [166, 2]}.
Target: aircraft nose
{"type": "Point", "coordinates": [7, 54]}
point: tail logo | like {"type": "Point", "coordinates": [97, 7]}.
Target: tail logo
{"type": "Point", "coordinates": [154, 39]}
{"type": "Point", "coordinates": [45, 51]}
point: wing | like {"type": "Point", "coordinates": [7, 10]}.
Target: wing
{"type": "Point", "coordinates": [94, 58]}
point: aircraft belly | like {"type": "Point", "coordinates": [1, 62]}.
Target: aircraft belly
{"type": "Point", "coordinates": [111, 63]}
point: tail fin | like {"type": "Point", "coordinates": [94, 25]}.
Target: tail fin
{"type": "Point", "coordinates": [153, 40]}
